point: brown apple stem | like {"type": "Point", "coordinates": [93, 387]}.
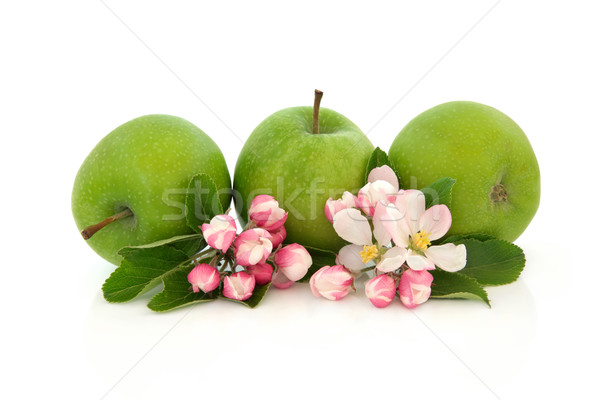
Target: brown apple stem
{"type": "Point", "coordinates": [318, 96]}
{"type": "Point", "coordinates": [91, 230]}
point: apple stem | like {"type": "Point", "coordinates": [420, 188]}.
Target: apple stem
{"type": "Point", "coordinates": [91, 230]}
{"type": "Point", "coordinates": [318, 96]}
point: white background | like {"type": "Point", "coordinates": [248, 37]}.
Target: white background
{"type": "Point", "coordinates": [73, 71]}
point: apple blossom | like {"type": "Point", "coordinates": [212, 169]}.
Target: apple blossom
{"type": "Point", "coordinates": [374, 192]}
{"type": "Point", "coordinates": [252, 247]}
{"type": "Point", "coordinates": [352, 226]}
{"type": "Point", "coordinates": [381, 290]}
{"type": "Point", "coordinates": [280, 281]}
{"type": "Point", "coordinates": [414, 287]}
{"type": "Point", "coordinates": [238, 286]}
{"type": "Point", "coordinates": [331, 282]}
{"type": "Point", "coordinates": [262, 273]}
{"type": "Point", "coordinates": [293, 260]}
{"type": "Point", "coordinates": [332, 207]}
{"type": "Point", "coordinates": [384, 173]}
{"type": "Point", "coordinates": [220, 232]}
{"type": "Point", "coordinates": [265, 212]}
{"type": "Point", "coordinates": [413, 227]}
{"type": "Point", "coordinates": [204, 277]}
{"type": "Point", "coordinates": [278, 236]}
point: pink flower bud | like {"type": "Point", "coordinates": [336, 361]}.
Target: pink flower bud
{"type": "Point", "coordinates": [414, 287]}
{"type": "Point", "coordinates": [265, 212]}
{"type": "Point", "coordinates": [381, 290]}
{"type": "Point", "coordinates": [238, 286]}
{"type": "Point", "coordinates": [278, 236]}
{"type": "Point", "coordinates": [204, 277]}
{"type": "Point", "coordinates": [333, 282]}
{"type": "Point", "coordinates": [293, 260]}
{"type": "Point", "coordinates": [252, 247]}
{"type": "Point", "coordinates": [374, 192]}
{"type": "Point", "coordinates": [262, 273]}
{"type": "Point", "coordinates": [332, 207]}
{"type": "Point", "coordinates": [220, 232]}
{"type": "Point", "coordinates": [280, 281]}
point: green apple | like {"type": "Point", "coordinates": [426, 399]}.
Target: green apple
{"type": "Point", "coordinates": [130, 188]}
{"type": "Point", "coordinates": [497, 188]}
{"type": "Point", "coordinates": [302, 156]}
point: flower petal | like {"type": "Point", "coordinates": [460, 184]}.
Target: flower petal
{"type": "Point", "coordinates": [374, 192]}
{"type": "Point", "coordinates": [393, 222]}
{"type": "Point", "coordinates": [418, 262]}
{"type": "Point", "coordinates": [448, 257]}
{"type": "Point", "coordinates": [384, 173]}
{"type": "Point", "coordinates": [412, 203]}
{"type": "Point", "coordinates": [349, 257]}
{"type": "Point", "coordinates": [436, 221]}
{"type": "Point", "coordinates": [353, 227]}
{"type": "Point", "coordinates": [382, 236]}
{"type": "Point", "coordinates": [392, 259]}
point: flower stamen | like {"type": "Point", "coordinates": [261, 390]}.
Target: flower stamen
{"type": "Point", "coordinates": [368, 253]}
{"type": "Point", "coordinates": [421, 240]}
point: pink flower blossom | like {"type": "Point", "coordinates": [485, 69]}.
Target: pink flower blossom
{"type": "Point", "coordinates": [238, 286]}
{"type": "Point", "coordinates": [293, 260]}
{"type": "Point", "coordinates": [414, 287]}
{"type": "Point", "coordinates": [252, 247]}
{"type": "Point", "coordinates": [331, 282]}
{"type": "Point", "coordinates": [384, 173]}
{"type": "Point", "coordinates": [220, 232]}
{"type": "Point", "coordinates": [332, 207]}
{"type": "Point", "coordinates": [204, 277]}
{"type": "Point", "coordinates": [374, 192]}
{"type": "Point", "coordinates": [266, 213]}
{"type": "Point", "coordinates": [262, 273]}
{"type": "Point", "coordinates": [280, 281]}
{"type": "Point", "coordinates": [381, 290]}
{"type": "Point", "coordinates": [278, 236]}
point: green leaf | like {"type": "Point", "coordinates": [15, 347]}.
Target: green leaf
{"type": "Point", "coordinates": [255, 299]}
{"type": "Point", "coordinates": [439, 192]}
{"type": "Point", "coordinates": [451, 285]}
{"type": "Point", "coordinates": [320, 258]}
{"type": "Point", "coordinates": [201, 201]}
{"type": "Point", "coordinates": [140, 270]}
{"type": "Point", "coordinates": [178, 292]}
{"type": "Point", "coordinates": [378, 158]}
{"type": "Point", "coordinates": [492, 262]}
{"type": "Point", "coordinates": [143, 266]}
{"type": "Point", "coordinates": [482, 237]}
{"type": "Point", "coordinates": [189, 244]}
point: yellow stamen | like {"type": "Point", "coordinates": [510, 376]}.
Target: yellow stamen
{"type": "Point", "coordinates": [368, 253]}
{"type": "Point", "coordinates": [421, 240]}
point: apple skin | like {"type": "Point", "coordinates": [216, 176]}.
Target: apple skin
{"type": "Point", "coordinates": [283, 158]}
{"type": "Point", "coordinates": [480, 147]}
{"type": "Point", "coordinates": [136, 165]}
